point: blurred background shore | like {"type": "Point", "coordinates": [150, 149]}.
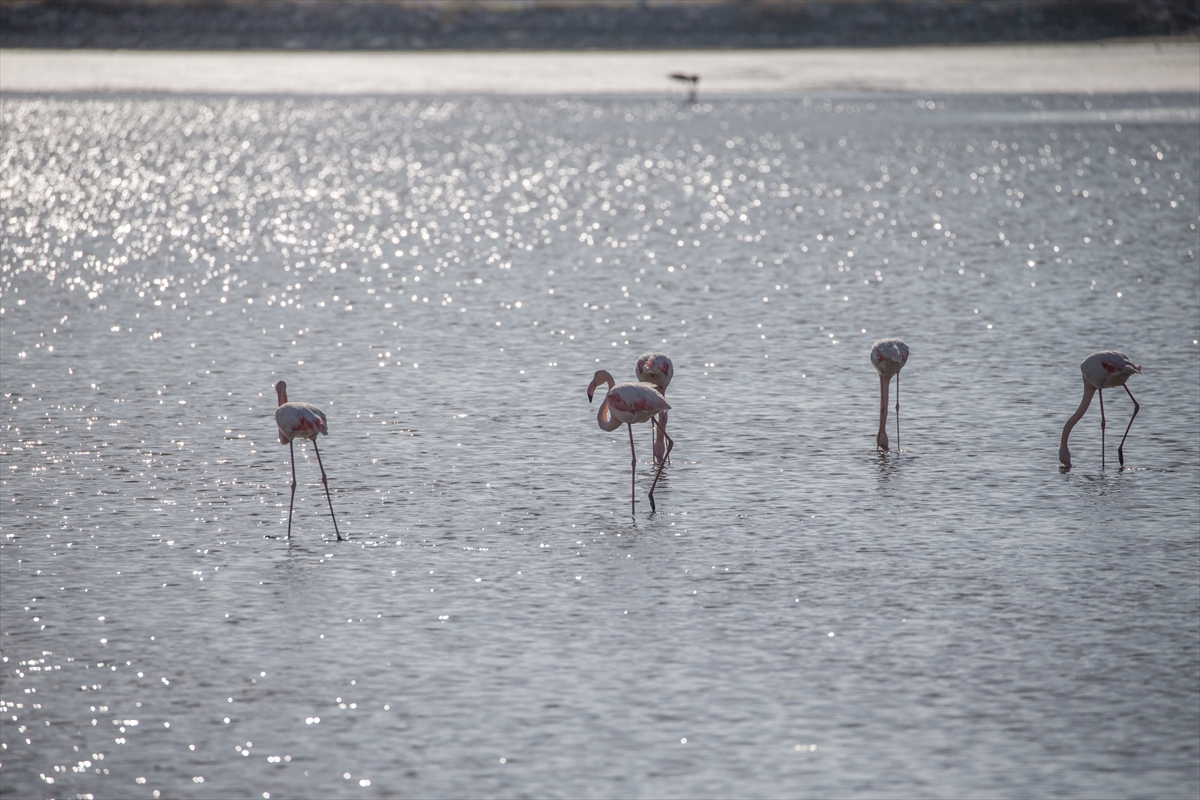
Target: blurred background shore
{"type": "Point", "coordinates": [421, 25]}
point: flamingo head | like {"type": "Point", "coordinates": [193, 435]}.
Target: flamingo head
{"type": "Point", "coordinates": [281, 392]}
{"type": "Point", "coordinates": [601, 376]}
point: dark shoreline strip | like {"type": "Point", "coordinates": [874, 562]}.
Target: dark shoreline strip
{"type": "Point", "coordinates": [745, 24]}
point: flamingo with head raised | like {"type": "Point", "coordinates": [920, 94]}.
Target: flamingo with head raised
{"type": "Point", "coordinates": [629, 404]}
{"type": "Point", "coordinates": [302, 421]}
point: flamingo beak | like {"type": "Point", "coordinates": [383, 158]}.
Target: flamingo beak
{"type": "Point", "coordinates": [591, 390]}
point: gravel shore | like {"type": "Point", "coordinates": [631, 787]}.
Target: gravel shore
{"type": "Point", "coordinates": [529, 25]}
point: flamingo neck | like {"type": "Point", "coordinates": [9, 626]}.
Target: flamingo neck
{"type": "Point", "coordinates": [605, 418]}
{"type": "Point", "coordinates": [1088, 391]}
{"type": "Point", "coordinates": [281, 392]}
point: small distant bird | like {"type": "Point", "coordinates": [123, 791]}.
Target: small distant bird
{"type": "Point", "coordinates": [629, 404]}
{"type": "Point", "coordinates": [301, 421]}
{"type": "Point", "coordinates": [694, 80]}
{"type": "Point", "coordinates": [1102, 370]}
{"type": "Point", "coordinates": [888, 356]}
{"type": "Point", "coordinates": [656, 369]}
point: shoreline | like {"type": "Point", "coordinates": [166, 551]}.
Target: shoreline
{"type": "Point", "coordinates": [1119, 67]}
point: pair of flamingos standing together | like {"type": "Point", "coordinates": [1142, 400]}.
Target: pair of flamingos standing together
{"type": "Point", "coordinates": [645, 401]}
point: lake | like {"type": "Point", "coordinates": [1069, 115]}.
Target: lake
{"type": "Point", "coordinates": [802, 617]}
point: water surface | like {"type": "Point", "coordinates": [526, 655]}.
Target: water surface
{"type": "Point", "coordinates": [803, 616]}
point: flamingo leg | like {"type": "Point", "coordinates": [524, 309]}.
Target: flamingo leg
{"type": "Point", "coordinates": [1103, 425]}
{"type": "Point", "coordinates": [657, 432]}
{"type": "Point", "coordinates": [292, 451]}
{"type": "Point", "coordinates": [1121, 449]}
{"type": "Point", "coordinates": [897, 412]}
{"type": "Point", "coordinates": [632, 472]}
{"type": "Point", "coordinates": [326, 483]}
{"type": "Point", "coordinates": [670, 444]}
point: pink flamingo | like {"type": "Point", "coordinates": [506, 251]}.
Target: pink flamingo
{"type": "Point", "coordinates": [656, 369]}
{"type": "Point", "coordinates": [888, 356]}
{"type": "Point", "coordinates": [631, 403]}
{"type": "Point", "coordinates": [301, 421]}
{"type": "Point", "coordinates": [1102, 370]}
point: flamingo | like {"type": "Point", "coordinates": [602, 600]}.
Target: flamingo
{"type": "Point", "coordinates": [631, 403]}
{"type": "Point", "coordinates": [1102, 370]}
{"type": "Point", "coordinates": [888, 356]}
{"type": "Point", "coordinates": [656, 369]}
{"type": "Point", "coordinates": [301, 421]}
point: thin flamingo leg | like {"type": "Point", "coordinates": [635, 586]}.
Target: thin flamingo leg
{"type": "Point", "coordinates": [633, 473]}
{"type": "Point", "coordinates": [1121, 449]}
{"type": "Point", "coordinates": [292, 451]}
{"type": "Point", "coordinates": [897, 412]}
{"type": "Point", "coordinates": [326, 482]}
{"type": "Point", "coordinates": [1103, 425]}
{"type": "Point", "coordinates": [656, 436]}
{"type": "Point", "coordinates": [670, 444]}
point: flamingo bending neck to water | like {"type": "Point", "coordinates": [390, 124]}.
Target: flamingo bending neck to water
{"type": "Point", "coordinates": [888, 356]}
{"type": "Point", "coordinates": [629, 404]}
{"type": "Point", "coordinates": [1105, 369]}
{"type": "Point", "coordinates": [657, 370]}
{"type": "Point", "coordinates": [301, 421]}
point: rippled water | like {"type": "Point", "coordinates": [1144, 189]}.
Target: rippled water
{"type": "Point", "coordinates": [803, 617]}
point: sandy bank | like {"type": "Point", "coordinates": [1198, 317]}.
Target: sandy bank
{"type": "Point", "coordinates": [1119, 67]}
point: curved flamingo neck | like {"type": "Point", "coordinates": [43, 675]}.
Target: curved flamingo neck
{"type": "Point", "coordinates": [1088, 391]}
{"type": "Point", "coordinates": [605, 418]}
{"type": "Point", "coordinates": [281, 392]}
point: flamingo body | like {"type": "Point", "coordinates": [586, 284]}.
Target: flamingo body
{"type": "Point", "coordinates": [1108, 369]}
{"type": "Point", "coordinates": [1104, 369]}
{"type": "Point", "coordinates": [888, 356]}
{"type": "Point", "coordinates": [655, 368]}
{"type": "Point", "coordinates": [302, 421]}
{"type": "Point", "coordinates": [629, 404]}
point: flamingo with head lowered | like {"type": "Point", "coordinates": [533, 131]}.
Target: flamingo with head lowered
{"type": "Point", "coordinates": [888, 356]}
{"type": "Point", "coordinates": [302, 421]}
{"type": "Point", "coordinates": [629, 404]}
{"type": "Point", "coordinates": [1106, 369]}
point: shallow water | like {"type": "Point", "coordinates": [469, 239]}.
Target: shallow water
{"type": "Point", "coordinates": [802, 617]}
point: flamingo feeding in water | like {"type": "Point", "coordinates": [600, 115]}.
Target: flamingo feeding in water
{"type": "Point", "coordinates": [301, 421]}
{"type": "Point", "coordinates": [631, 403]}
{"type": "Point", "coordinates": [657, 370]}
{"type": "Point", "coordinates": [888, 356]}
{"type": "Point", "coordinates": [1106, 369]}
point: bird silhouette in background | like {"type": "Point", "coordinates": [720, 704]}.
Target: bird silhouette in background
{"type": "Point", "coordinates": [657, 370]}
{"type": "Point", "coordinates": [888, 356]}
{"type": "Point", "coordinates": [629, 404]}
{"type": "Point", "coordinates": [301, 421]}
{"type": "Point", "coordinates": [1106, 369]}
{"type": "Point", "coordinates": [694, 80]}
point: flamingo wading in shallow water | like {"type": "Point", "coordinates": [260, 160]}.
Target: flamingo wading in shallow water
{"type": "Point", "coordinates": [628, 404]}
{"type": "Point", "coordinates": [657, 370]}
{"type": "Point", "coordinates": [1106, 369]}
{"type": "Point", "coordinates": [301, 421]}
{"type": "Point", "coordinates": [888, 356]}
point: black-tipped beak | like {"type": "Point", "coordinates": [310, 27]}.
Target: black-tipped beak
{"type": "Point", "coordinates": [589, 397]}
